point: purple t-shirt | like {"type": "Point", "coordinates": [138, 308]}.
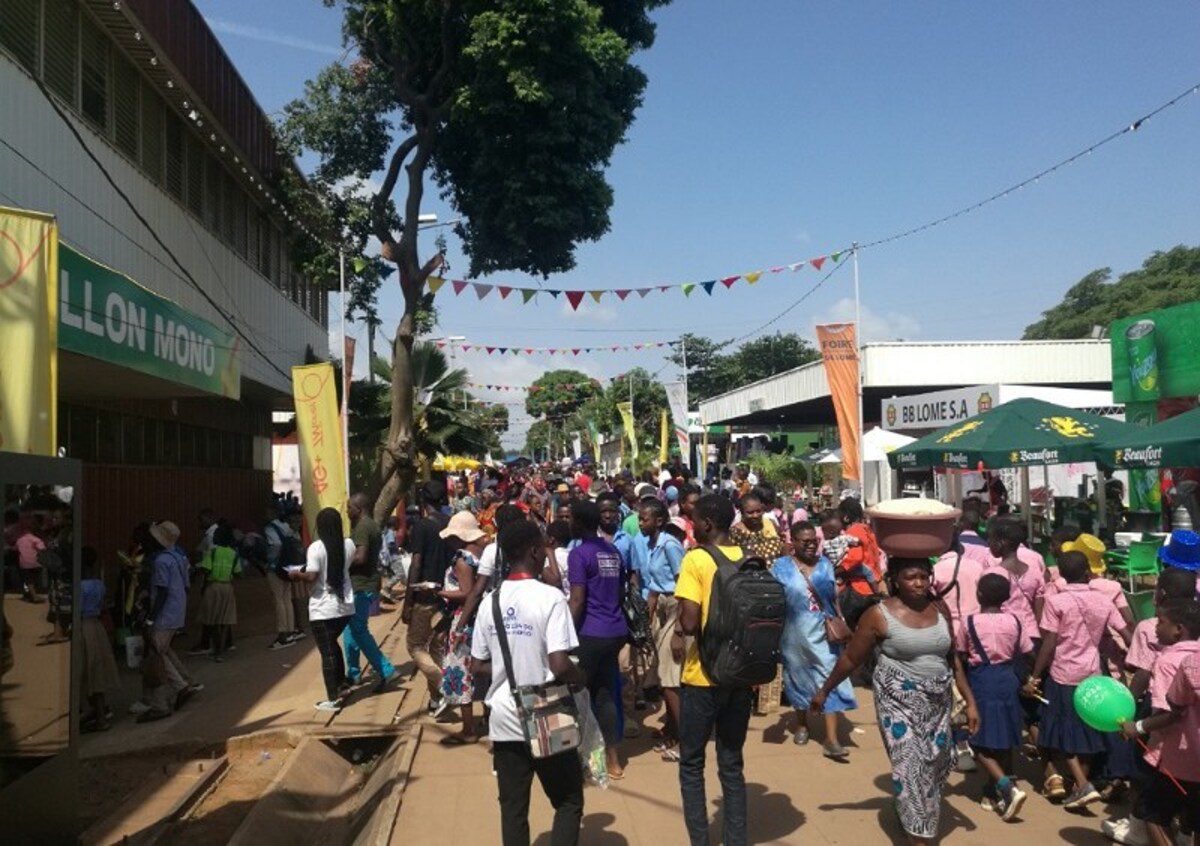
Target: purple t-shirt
{"type": "Point", "coordinates": [596, 564]}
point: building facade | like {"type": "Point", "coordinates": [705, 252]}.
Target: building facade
{"type": "Point", "coordinates": [126, 120]}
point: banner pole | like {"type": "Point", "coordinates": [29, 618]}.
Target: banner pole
{"type": "Point", "coordinates": [348, 376]}
{"type": "Point", "coordinates": [858, 334]}
{"type": "Point", "coordinates": [685, 456]}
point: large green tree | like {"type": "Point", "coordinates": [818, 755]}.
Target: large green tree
{"type": "Point", "coordinates": [713, 370]}
{"type": "Point", "coordinates": [1164, 279]}
{"type": "Point", "coordinates": [512, 107]}
{"type": "Point", "coordinates": [556, 394]}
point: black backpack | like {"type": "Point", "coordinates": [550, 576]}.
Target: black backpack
{"type": "Point", "coordinates": [739, 644]}
{"type": "Point", "coordinates": [290, 551]}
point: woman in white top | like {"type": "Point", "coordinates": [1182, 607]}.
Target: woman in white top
{"type": "Point", "coordinates": [331, 602]}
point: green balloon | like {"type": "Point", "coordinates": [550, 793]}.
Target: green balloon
{"type": "Point", "coordinates": [1104, 703]}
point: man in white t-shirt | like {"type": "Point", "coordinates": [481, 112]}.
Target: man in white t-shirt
{"type": "Point", "coordinates": [540, 636]}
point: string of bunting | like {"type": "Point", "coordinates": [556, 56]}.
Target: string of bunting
{"type": "Point", "coordinates": [533, 388]}
{"type": "Point", "coordinates": [481, 348]}
{"type": "Point", "coordinates": [575, 296]}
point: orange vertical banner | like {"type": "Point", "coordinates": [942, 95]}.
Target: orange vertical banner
{"type": "Point", "coordinates": [347, 373]}
{"type": "Point", "coordinates": [839, 349]}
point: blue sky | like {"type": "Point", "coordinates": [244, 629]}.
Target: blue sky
{"type": "Point", "coordinates": [777, 130]}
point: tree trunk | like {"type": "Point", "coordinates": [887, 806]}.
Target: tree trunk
{"type": "Point", "coordinates": [397, 461]}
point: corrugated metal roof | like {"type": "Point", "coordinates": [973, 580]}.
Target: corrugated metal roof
{"type": "Point", "coordinates": [926, 366]}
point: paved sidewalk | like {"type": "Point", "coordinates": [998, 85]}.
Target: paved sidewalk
{"type": "Point", "coordinates": [795, 797]}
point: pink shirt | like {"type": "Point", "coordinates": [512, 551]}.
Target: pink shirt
{"type": "Point", "coordinates": [1026, 589]}
{"type": "Point", "coordinates": [998, 636]}
{"type": "Point", "coordinates": [1144, 647]}
{"type": "Point", "coordinates": [961, 600]}
{"type": "Point", "coordinates": [1166, 667]}
{"type": "Point", "coordinates": [1108, 587]}
{"type": "Point", "coordinates": [1079, 616]}
{"type": "Point", "coordinates": [28, 546]}
{"type": "Point", "coordinates": [1177, 749]}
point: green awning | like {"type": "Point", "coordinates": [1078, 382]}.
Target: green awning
{"type": "Point", "coordinates": [1171, 443]}
{"type": "Point", "coordinates": [1020, 433]}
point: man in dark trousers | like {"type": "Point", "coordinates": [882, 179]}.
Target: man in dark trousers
{"type": "Point", "coordinates": [422, 611]}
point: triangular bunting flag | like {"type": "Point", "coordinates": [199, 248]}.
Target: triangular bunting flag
{"type": "Point", "coordinates": [575, 352]}
{"type": "Point", "coordinates": [817, 262]}
{"type": "Point", "coordinates": [729, 280]}
{"type": "Point", "coordinates": [642, 292]}
{"type": "Point", "coordinates": [490, 350]}
{"type": "Point", "coordinates": [596, 295]}
{"type": "Point", "coordinates": [458, 286]}
{"type": "Point", "coordinates": [504, 291]}
{"type": "Point", "coordinates": [529, 350]}
{"type": "Point", "coordinates": [502, 350]}
{"type": "Point", "coordinates": [574, 298]}
{"type": "Point", "coordinates": [553, 293]}
{"type": "Point", "coordinates": [778, 269]}
{"type": "Point", "coordinates": [794, 266]}
{"type": "Point", "coordinates": [466, 347]}
{"type": "Point", "coordinates": [441, 345]}
{"type": "Point", "coordinates": [614, 349]}
{"type": "Point", "coordinates": [622, 293]}
{"type": "Point", "coordinates": [688, 287]}
{"type": "Point", "coordinates": [751, 278]}
{"type": "Point", "coordinates": [664, 288]}
{"type": "Point", "coordinates": [481, 290]}
{"type": "Point", "coordinates": [836, 257]}
{"type": "Point", "coordinates": [527, 294]}
{"type": "Point", "coordinates": [708, 286]}
{"type": "Point", "coordinates": [435, 283]}
{"type": "Point", "coordinates": [639, 346]}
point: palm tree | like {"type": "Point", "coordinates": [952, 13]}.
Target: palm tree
{"type": "Point", "coordinates": [445, 420]}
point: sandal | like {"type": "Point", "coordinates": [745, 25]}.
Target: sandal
{"type": "Point", "coordinates": [1054, 787]}
{"type": "Point", "coordinates": [671, 754]}
{"type": "Point", "coordinates": [459, 739]}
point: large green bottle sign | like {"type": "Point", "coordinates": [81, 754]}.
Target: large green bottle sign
{"type": "Point", "coordinates": [1154, 356]}
{"type": "Point", "coordinates": [107, 316]}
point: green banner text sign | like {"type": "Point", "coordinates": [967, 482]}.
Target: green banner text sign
{"type": "Point", "coordinates": [1157, 354]}
{"type": "Point", "coordinates": [107, 316]}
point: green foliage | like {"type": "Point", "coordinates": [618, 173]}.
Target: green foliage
{"type": "Point", "coordinates": [782, 472]}
{"type": "Point", "coordinates": [558, 393]}
{"type": "Point", "coordinates": [1165, 279]}
{"type": "Point", "coordinates": [447, 419]}
{"type": "Point", "coordinates": [712, 372]}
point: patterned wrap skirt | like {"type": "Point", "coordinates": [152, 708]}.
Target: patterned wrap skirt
{"type": "Point", "coordinates": [914, 719]}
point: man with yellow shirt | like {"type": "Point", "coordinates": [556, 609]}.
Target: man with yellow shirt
{"type": "Point", "coordinates": [704, 705]}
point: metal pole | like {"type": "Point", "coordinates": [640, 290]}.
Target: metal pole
{"type": "Point", "coordinates": [686, 458]}
{"type": "Point", "coordinates": [346, 378]}
{"type": "Point", "coordinates": [634, 419]}
{"type": "Point", "coordinates": [862, 485]}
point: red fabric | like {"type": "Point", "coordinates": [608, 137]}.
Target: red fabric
{"type": "Point", "coordinates": [866, 552]}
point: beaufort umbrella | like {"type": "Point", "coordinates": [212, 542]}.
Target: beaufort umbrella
{"type": "Point", "coordinates": [1019, 433]}
{"type": "Point", "coordinates": [1171, 443]}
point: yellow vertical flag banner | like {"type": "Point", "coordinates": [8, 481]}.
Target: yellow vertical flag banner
{"type": "Point", "coordinates": [839, 349]}
{"type": "Point", "coordinates": [626, 411]}
{"type": "Point", "coordinates": [662, 440]}
{"type": "Point", "coordinates": [28, 332]}
{"type": "Point", "coordinates": [319, 431]}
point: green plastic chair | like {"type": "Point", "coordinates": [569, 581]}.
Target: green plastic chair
{"type": "Point", "coordinates": [1141, 604]}
{"type": "Point", "coordinates": [1142, 561]}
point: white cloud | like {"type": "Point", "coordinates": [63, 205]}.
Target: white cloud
{"type": "Point", "coordinates": [267, 36]}
{"type": "Point", "coordinates": [889, 326]}
{"type": "Point", "coordinates": [589, 311]}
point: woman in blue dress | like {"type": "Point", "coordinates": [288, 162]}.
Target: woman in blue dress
{"type": "Point", "coordinates": [808, 657]}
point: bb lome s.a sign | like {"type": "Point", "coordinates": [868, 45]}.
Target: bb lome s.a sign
{"type": "Point", "coordinates": [937, 409]}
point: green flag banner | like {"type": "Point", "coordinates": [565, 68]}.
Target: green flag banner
{"type": "Point", "coordinates": [107, 316]}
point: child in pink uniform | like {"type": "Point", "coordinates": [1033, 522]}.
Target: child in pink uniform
{"type": "Point", "coordinates": [994, 646]}
{"type": "Point", "coordinates": [1174, 728]}
{"type": "Point", "coordinates": [1025, 569]}
{"type": "Point", "coordinates": [1173, 584]}
{"type": "Point", "coordinates": [1073, 622]}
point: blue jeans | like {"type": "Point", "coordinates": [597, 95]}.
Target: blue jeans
{"type": "Point", "coordinates": [358, 637]}
{"type": "Point", "coordinates": [728, 710]}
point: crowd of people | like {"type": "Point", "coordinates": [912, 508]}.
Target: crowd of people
{"type": "Point", "coordinates": [973, 658]}
{"type": "Point", "coordinates": [522, 590]}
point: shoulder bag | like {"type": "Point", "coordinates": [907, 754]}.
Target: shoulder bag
{"type": "Point", "coordinates": [837, 630]}
{"type": "Point", "coordinates": [548, 714]}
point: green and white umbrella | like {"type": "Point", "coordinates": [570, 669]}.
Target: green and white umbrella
{"type": "Point", "coordinates": [1019, 433]}
{"type": "Point", "coordinates": [1171, 443]}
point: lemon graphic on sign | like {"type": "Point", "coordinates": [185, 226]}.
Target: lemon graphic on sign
{"type": "Point", "coordinates": [1118, 455]}
{"type": "Point", "coordinates": [1068, 427]}
{"type": "Point", "coordinates": [969, 426]}
{"type": "Point", "coordinates": [1014, 457]}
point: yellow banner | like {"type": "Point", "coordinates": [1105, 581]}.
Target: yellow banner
{"type": "Point", "coordinates": [626, 411]}
{"type": "Point", "coordinates": [319, 430]}
{"type": "Point", "coordinates": [28, 332]}
{"type": "Point", "coordinates": [662, 440]}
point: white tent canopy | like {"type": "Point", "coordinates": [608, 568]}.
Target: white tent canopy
{"type": "Point", "coordinates": [876, 444]}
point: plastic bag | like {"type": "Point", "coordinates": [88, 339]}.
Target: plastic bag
{"type": "Point", "coordinates": [591, 748]}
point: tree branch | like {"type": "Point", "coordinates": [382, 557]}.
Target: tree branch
{"type": "Point", "coordinates": [379, 204]}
